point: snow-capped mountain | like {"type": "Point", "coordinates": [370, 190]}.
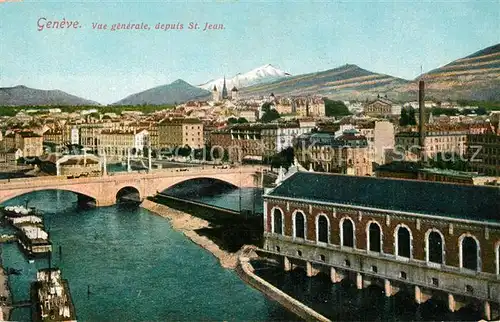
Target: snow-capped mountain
{"type": "Point", "coordinates": [258, 75]}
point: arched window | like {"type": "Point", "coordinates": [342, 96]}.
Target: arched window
{"type": "Point", "coordinates": [435, 247]}
{"type": "Point", "coordinates": [322, 228]}
{"type": "Point", "coordinates": [277, 221]}
{"type": "Point", "coordinates": [403, 242]}
{"type": "Point", "coordinates": [347, 232]}
{"type": "Point", "coordinates": [469, 252]}
{"type": "Point", "coordinates": [299, 225]}
{"type": "Point", "coordinates": [374, 237]}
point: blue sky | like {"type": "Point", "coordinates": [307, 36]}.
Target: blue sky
{"type": "Point", "coordinates": [392, 37]}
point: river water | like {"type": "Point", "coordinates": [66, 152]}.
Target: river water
{"type": "Point", "coordinates": [136, 267]}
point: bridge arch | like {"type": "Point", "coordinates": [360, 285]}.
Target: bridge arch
{"type": "Point", "coordinates": [299, 222]}
{"type": "Point", "coordinates": [277, 221]}
{"type": "Point", "coordinates": [203, 184]}
{"type": "Point", "coordinates": [469, 252]}
{"type": "Point", "coordinates": [76, 190]}
{"type": "Point", "coordinates": [128, 193]}
{"type": "Point", "coordinates": [347, 232]}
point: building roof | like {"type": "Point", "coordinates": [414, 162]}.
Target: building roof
{"type": "Point", "coordinates": [425, 197]}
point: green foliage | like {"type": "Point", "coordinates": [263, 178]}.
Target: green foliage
{"type": "Point", "coordinates": [335, 108]}
{"type": "Point", "coordinates": [448, 161]}
{"type": "Point", "coordinates": [486, 105]}
{"type": "Point", "coordinates": [183, 151]}
{"type": "Point", "coordinates": [407, 117]}
{"type": "Point", "coordinates": [147, 109]}
{"type": "Point", "coordinates": [283, 159]}
{"type": "Point", "coordinates": [403, 120]}
{"type": "Point", "coordinates": [270, 114]}
{"type": "Point", "coordinates": [411, 117]}
{"type": "Point", "coordinates": [240, 120]}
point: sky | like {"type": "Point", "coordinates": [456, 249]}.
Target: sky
{"type": "Point", "coordinates": [390, 37]}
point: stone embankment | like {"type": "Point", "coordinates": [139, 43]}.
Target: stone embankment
{"type": "Point", "coordinates": [188, 225]}
{"type": "Point", "coordinates": [5, 298]}
{"type": "Point", "coordinates": [246, 272]}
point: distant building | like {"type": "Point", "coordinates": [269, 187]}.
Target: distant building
{"type": "Point", "coordinates": [180, 132]}
{"type": "Point", "coordinates": [54, 136]}
{"type": "Point", "coordinates": [415, 171]}
{"type": "Point", "coordinates": [75, 135]}
{"type": "Point", "coordinates": [249, 115]}
{"type": "Point", "coordinates": [234, 94]}
{"type": "Point", "coordinates": [72, 165]}
{"type": "Point", "coordinates": [215, 94]}
{"type": "Point", "coordinates": [483, 153]}
{"type": "Point", "coordinates": [322, 152]}
{"type": "Point", "coordinates": [381, 107]}
{"type": "Point", "coordinates": [436, 141]}
{"type": "Point", "coordinates": [120, 142]}
{"type": "Point", "coordinates": [258, 141]}
{"type": "Point", "coordinates": [31, 144]}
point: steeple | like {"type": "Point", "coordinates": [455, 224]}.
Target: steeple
{"type": "Point", "coordinates": [224, 89]}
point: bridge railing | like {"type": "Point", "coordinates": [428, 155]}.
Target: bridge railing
{"type": "Point", "coordinates": [207, 170]}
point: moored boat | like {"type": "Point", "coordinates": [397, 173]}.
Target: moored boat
{"type": "Point", "coordinates": [51, 297]}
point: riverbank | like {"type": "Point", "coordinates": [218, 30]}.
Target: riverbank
{"type": "Point", "coordinates": [188, 225]}
{"type": "Point", "coordinates": [245, 270]}
{"type": "Point", "coordinates": [5, 296]}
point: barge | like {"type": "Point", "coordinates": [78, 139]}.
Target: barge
{"type": "Point", "coordinates": [51, 297]}
{"type": "Point", "coordinates": [33, 239]}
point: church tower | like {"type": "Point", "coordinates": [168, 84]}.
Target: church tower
{"type": "Point", "coordinates": [215, 94]}
{"type": "Point", "coordinates": [224, 90]}
{"type": "Point", "coordinates": [234, 94]}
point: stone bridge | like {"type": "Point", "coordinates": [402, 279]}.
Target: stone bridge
{"type": "Point", "coordinates": [104, 189]}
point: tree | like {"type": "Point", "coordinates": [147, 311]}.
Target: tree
{"type": "Point", "coordinates": [403, 120]}
{"type": "Point", "coordinates": [335, 108]}
{"type": "Point", "coordinates": [411, 117]}
{"type": "Point", "coordinates": [242, 120]}
{"type": "Point", "coordinates": [184, 151]}
{"type": "Point", "coordinates": [270, 116]}
{"type": "Point", "coordinates": [283, 159]}
{"type": "Point", "coordinates": [232, 120]}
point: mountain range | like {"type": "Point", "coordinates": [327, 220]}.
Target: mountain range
{"type": "Point", "coordinates": [176, 92]}
{"type": "Point", "coordinates": [25, 96]}
{"type": "Point", "coordinates": [259, 75]}
{"type": "Point", "coordinates": [474, 77]}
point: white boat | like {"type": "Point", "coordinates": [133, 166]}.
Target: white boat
{"type": "Point", "coordinates": [31, 261]}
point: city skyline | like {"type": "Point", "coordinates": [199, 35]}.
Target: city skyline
{"type": "Point", "coordinates": [107, 66]}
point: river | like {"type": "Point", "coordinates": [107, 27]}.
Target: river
{"type": "Point", "coordinates": [136, 267]}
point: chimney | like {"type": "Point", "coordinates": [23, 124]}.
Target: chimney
{"type": "Point", "coordinates": [421, 113]}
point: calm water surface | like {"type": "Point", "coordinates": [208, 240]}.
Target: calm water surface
{"type": "Point", "coordinates": [136, 267]}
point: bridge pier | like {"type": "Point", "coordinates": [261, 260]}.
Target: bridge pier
{"type": "Point", "coordinates": [359, 281]}
{"type": "Point", "coordinates": [451, 303]}
{"type": "Point", "coordinates": [286, 264]}
{"type": "Point", "coordinates": [487, 311]}
{"type": "Point", "coordinates": [309, 269]}
{"type": "Point", "coordinates": [333, 275]}
{"type": "Point", "coordinates": [387, 288]}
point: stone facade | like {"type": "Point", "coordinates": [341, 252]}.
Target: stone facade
{"type": "Point", "coordinates": [483, 151]}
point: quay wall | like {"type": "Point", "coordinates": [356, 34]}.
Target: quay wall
{"type": "Point", "coordinates": [188, 225]}
{"type": "Point", "coordinates": [245, 270]}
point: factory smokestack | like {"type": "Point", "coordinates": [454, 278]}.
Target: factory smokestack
{"type": "Point", "coordinates": [421, 113]}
